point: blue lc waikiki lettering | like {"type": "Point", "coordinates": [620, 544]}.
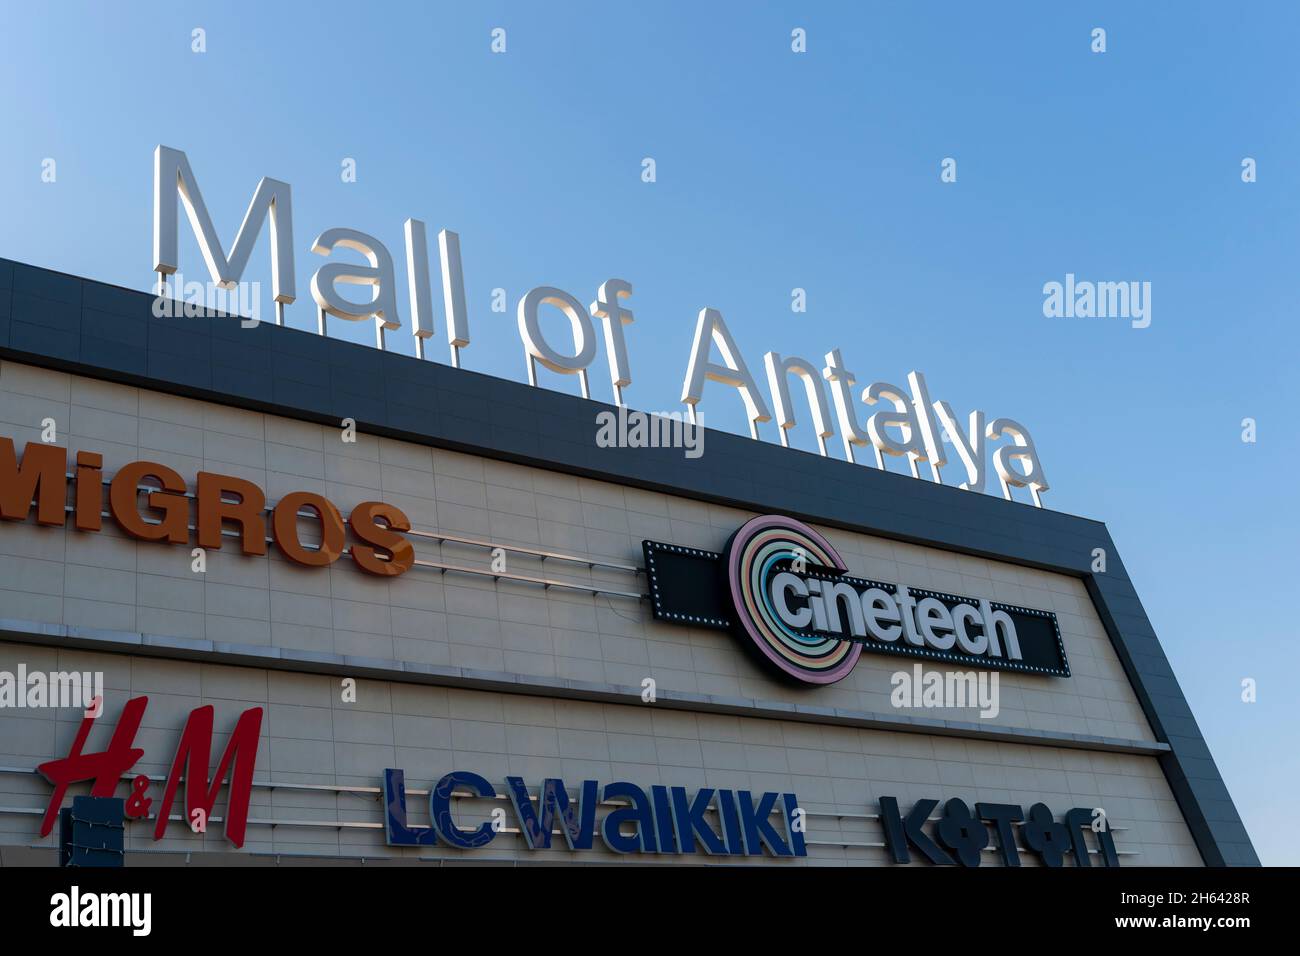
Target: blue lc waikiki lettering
{"type": "Point", "coordinates": [657, 819]}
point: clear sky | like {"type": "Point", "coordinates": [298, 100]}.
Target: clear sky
{"type": "Point", "coordinates": [777, 171]}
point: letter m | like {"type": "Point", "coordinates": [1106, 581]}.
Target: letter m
{"type": "Point", "coordinates": [171, 170]}
{"type": "Point", "coordinates": [192, 760]}
{"type": "Point", "coordinates": [42, 477]}
{"type": "Point", "coordinates": [1113, 299]}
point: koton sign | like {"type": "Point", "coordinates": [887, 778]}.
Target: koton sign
{"type": "Point", "coordinates": [908, 424]}
{"type": "Point", "coordinates": [960, 836]}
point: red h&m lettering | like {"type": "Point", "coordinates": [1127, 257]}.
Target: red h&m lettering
{"type": "Point", "coordinates": [195, 746]}
{"type": "Point", "coordinates": [107, 768]}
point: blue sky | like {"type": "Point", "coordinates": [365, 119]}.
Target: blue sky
{"type": "Point", "coordinates": [776, 171]}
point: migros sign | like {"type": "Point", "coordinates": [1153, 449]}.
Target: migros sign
{"type": "Point", "coordinates": [221, 502]}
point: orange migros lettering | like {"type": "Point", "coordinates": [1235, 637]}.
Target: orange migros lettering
{"type": "Point", "coordinates": [220, 501]}
{"type": "Point", "coordinates": [42, 477]}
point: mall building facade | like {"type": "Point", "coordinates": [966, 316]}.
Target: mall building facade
{"type": "Point", "coordinates": [525, 677]}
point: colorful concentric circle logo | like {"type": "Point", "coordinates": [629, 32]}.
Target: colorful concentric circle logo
{"type": "Point", "coordinates": [762, 548]}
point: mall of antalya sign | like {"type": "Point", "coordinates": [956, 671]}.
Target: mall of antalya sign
{"type": "Point", "coordinates": [908, 424]}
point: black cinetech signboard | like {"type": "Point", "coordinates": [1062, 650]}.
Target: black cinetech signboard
{"type": "Point", "coordinates": [782, 586]}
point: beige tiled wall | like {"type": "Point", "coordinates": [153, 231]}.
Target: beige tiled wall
{"type": "Point", "coordinates": [107, 581]}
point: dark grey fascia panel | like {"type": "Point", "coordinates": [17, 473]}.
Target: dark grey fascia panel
{"type": "Point", "coordinates": [90, 328]}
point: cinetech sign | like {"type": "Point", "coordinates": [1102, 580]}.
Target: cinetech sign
{"type": "Point", "coordinates": [783, 589]}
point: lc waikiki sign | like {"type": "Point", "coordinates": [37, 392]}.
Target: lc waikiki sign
{"type": "Point", "coordinates": [643, 820]}
{"type": "Point", "coordinates": [908, 425]}
{"type": "Point", "coordinates": [782, 587]}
